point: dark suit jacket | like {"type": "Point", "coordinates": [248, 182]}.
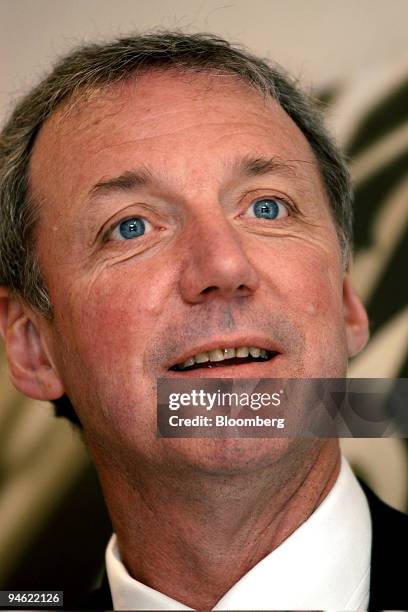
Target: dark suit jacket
{"type": "Point", "coordinates": [389, 567]}
{"type": "Point", "coordinates": [389, 561]}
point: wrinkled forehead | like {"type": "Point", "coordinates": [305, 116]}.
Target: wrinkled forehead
{"type": "Point", "coordinates": [97, 129]}
{"type": "Point", "coordinates": [148, 93]}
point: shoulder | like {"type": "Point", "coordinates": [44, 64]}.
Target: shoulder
{"type": "Point", "coordinates": [388, 554]}
{"type": "Point", "coordinates": [387, 522]}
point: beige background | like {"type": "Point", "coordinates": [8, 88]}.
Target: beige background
{"type": "Point", "coordinates": [321, 40]}
{"type": "Point", "coordinates": [360, 48]}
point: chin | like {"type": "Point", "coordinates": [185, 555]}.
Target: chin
{"type": "Point", "coordinates": [228, 456]}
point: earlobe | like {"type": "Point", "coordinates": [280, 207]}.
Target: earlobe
{"type": "Point", "coordinates": [31, 370]}
{"type": "Point", "coordinates": [356, 320]}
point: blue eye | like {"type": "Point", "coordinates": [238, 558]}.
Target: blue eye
{"type": "Point", "coordinates": [268, 208]}
{"type": "Point", "coordinates": [130, 228]}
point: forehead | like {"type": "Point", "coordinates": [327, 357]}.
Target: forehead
{"type": "Point", "coordinates": [183, 123]}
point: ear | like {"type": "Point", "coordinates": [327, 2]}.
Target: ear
{"type": "Point", "coordinates": [30, 367]}
{"type": "Point", "coordinates": [355, 316]}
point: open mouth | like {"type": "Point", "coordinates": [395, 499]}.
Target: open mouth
{"type": "Point", "coordinates": [221, 357]}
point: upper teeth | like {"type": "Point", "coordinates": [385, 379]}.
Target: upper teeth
{"type": "Point", "coordinates": [220, 354]}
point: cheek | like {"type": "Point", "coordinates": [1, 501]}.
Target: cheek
{"type": "Point", "coordinates": [107, 328]}
{"type": "Point", "coordinates": [320, 295]}
{"type": "Point", "coordinates": [323, 320]}
{"type": "Point", "coordinates": [309, 281]}
{"type": "Point", "coordinates": [114, 313]}
{"type": "Point", "coordinates": [307, 286]}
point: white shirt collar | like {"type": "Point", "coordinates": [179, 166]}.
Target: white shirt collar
{"type": "Point", "coordinates": [324, 564]}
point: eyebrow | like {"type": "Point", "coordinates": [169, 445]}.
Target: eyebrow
{"type": "Point", "coordinates": [258, 166]}
{"type": "Point", "coordinates": [131, 180]}
{"type": "Point", "coordinates": [249, 166]}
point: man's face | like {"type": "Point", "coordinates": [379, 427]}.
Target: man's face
{"type": "Point", "coordinates": [181, 214]}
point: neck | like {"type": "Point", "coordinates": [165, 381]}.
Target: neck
{"type": "Point", "coordinates": [194, 542]}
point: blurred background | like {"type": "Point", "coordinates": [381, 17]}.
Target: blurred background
{"type": "Point", "coordinates": [353, 56]}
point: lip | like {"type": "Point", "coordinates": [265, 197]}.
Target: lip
{"type": "Point", "coordinates": [254, 369]}
{"type": "Point", "coordinates": [226, 342]}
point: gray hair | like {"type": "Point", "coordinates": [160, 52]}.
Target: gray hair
{"type": "Point", "coordinates": [94, 66]}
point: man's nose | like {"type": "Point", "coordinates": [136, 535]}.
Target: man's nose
{"type": "Point", "coordinates": [215, 263]}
